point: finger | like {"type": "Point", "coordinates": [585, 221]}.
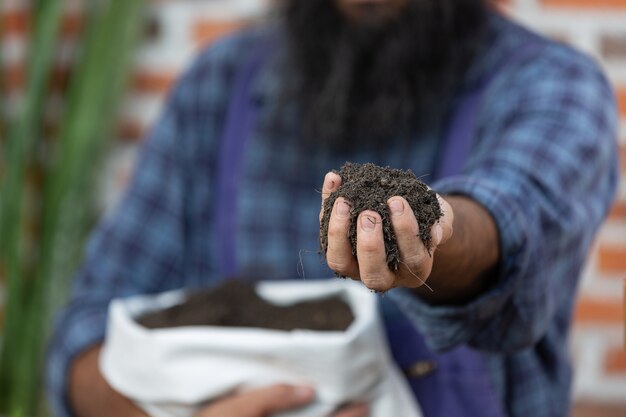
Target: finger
{"type": "Point", "coordinates": [261, 402]}
{"type": "Point", "coordinates": [356, 410]}
{"type": "Point", "coordinates": [332, 181]}
{"type": "Point", "coordinates": [339, 252]}
{"type": "Point", "coordinates": [416, 261]}
{"type": "Point", "coordinates": [370, 252]}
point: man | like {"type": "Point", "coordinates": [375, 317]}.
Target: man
{"type": "Point", "coordinates": [225, 185]}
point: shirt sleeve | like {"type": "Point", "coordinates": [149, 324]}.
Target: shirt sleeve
{"type": "Point", "coordinates": [545, 168]}
{"type": "Point", "coordinates": [140, 247]}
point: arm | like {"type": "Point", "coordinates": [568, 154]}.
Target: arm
{"type": "Point", "coordinates": [471, 254]}
{"type": "Point", "coordinates": [89, 393]}
{"type": "Point", "coordinates": [543, 174]}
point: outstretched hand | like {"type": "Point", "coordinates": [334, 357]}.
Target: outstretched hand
{"type": "Point", "coordinates": [370, 263]}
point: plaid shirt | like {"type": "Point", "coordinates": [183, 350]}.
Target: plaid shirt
{"type": "Point", "coordinates": [543, 164]}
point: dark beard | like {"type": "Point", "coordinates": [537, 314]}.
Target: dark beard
{"type": "Point", "coordinates": [373, 82]}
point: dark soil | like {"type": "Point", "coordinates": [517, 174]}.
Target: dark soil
{"type": "Point", "coordinates": [236, 304]}
{"type": "Point", "coordinates": [368, 187]}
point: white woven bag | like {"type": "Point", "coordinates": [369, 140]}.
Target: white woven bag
{"type": "Point", "coordinates": [172, 372]}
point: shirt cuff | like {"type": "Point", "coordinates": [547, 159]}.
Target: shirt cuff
{"type": "Point", "coordinates": [76, 333]}
{"type": "Point", "coordinates": [445, 327]}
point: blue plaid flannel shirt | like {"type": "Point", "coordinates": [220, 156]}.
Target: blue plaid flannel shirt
{"type": "Point", "coordinates": [544, 164]}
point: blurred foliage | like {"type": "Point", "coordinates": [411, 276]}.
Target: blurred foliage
{"type": "Point", "coordinates": [47, 180]}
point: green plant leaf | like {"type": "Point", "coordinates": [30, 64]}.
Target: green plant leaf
{"type": "Point", "coordinates": [66, 213]}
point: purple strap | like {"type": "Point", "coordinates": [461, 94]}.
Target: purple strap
{"type": "Point", "coordinates": [241, 117]}
{"type": "Point", "coordinates": [457, 144]}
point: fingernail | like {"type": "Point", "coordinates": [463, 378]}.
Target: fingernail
{"type": "Point", "coordinates": [368, 223]}
{"type": "Point", "coordinates": [332, 181]}
{"type": "Point", "coordinates": [396, 206]}
{"type": "Point", "coordinates": [303, 393]}
{"type": "Point", "coordinates": [438, 234]}
{"type": "Point", "coordinates": [343, 209]}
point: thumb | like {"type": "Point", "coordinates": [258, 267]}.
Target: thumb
{"type": "Point", "coordinates": [260, 402]}
{"type": "Point", "coordinates": [442, 230]}
{"type": "Point", "coordinates": [277, 398]}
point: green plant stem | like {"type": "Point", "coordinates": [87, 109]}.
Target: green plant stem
{"type": "Point", "coordinates": [88, 119]}
{"type": "Point", "coordinates": [87, 124]}
{"type": "Point", "coordinates": [21, 141]}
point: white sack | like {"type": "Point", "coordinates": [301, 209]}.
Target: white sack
{"type": "Point", "coordinates": [171, 372]}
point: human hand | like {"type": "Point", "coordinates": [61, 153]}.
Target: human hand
{"type": "Point", "coordinates": [264, 402]}
{"type": "Point", "coordinates": [370, 263]}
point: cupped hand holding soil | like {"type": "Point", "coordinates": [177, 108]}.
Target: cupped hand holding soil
{"type": "Point", "coordinates": [381, 226]}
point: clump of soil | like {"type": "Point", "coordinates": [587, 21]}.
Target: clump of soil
{"type": "Point", "coordinates": [368, 187]}
{"type": "Point", "coordinates": [236, 304]}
